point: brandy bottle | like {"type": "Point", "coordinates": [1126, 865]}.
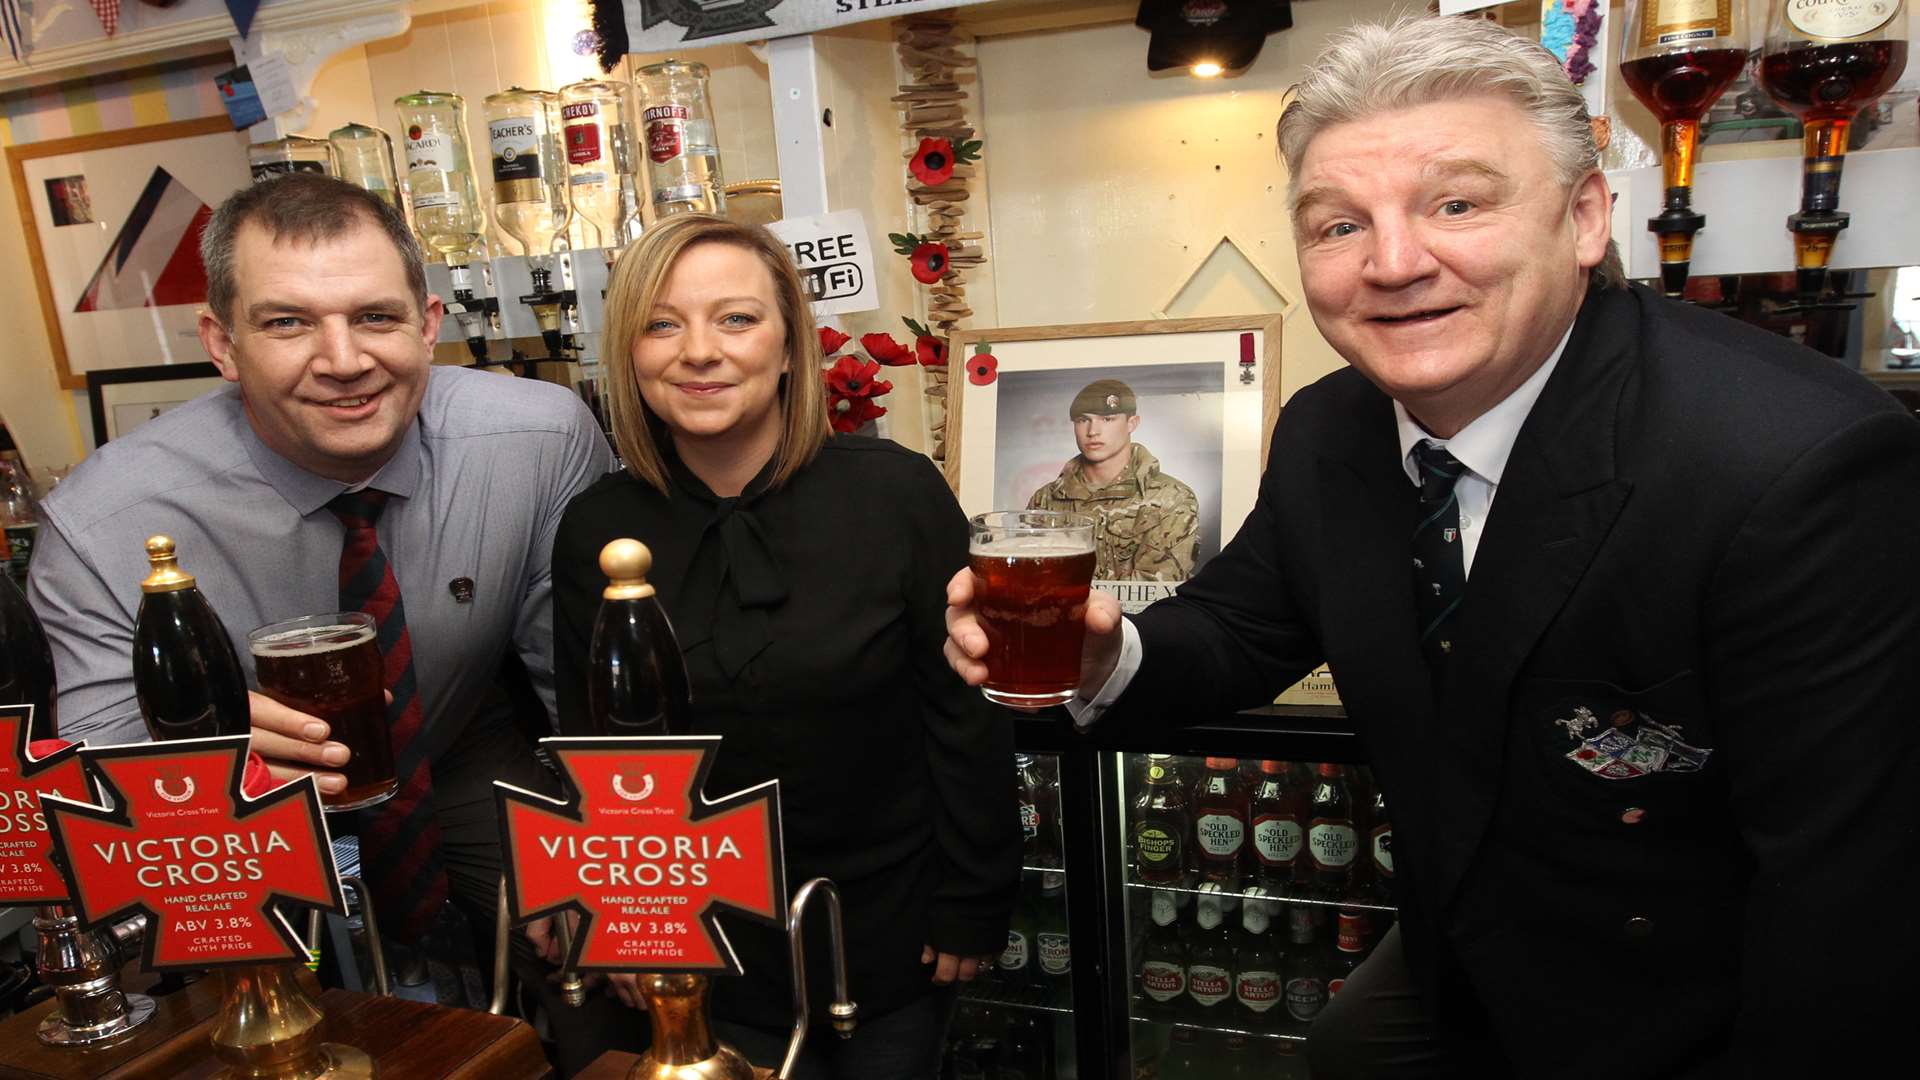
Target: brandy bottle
{"type": "Point", "coordinates": [1825, 61]}
{"type": "Point", "coordinates": [1680, 57]}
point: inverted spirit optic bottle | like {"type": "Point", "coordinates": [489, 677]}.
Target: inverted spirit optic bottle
{"type": "Point", "coordinates": [1680, 57]}
{"type": "Point", "coordinates": [447, 214]}
{"type": "Point", "coordinates": [529, 189]}
{"type": "Point", "coordinates": [598, 133]}
{"type": "Point", "coordinates": [295, 153]}
{"type": "Point", "coordinates": [683, 154]}
{"type": "Point", "coordinates": [1825, 60]}
{"type": "Point", "coordinates": [364, 156]}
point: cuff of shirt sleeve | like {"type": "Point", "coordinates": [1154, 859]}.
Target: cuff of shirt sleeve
{"type": "Point", "coordinates": [1086, 708]}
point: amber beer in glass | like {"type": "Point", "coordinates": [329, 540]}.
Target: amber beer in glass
{"type": "Point", "coordinates": [329, 666]}
{"type": "Point", "coordinates": [1031, 572]}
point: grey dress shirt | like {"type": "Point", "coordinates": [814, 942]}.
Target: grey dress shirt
{"type": "Point", "coordinates": [478, 486]}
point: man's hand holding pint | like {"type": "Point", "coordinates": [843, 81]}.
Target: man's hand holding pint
{"type": "Point", "coordinates": [296, 743]}
{"type": "Point", "coordinates": [966, 646]}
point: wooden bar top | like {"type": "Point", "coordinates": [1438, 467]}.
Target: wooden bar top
{"type": "Point", "coordinates": [408, 1040]}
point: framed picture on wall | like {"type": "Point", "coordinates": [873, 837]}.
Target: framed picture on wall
{"type": "Point", "coordinates": [122, 399]}
{"type": "Point", "coordinates": [1154, 429]}
{"type": "Point", "coordinates": [112, 223]}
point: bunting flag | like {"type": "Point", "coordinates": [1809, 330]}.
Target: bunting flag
{"type": "Point", "coordinates": [12, 29]}
{"type": "Point", "coordinates": [155, 261]}
{"type": "Point", "coordinates": [651, 26]}
{"type": "Point", "coordinates": [242, 12]}
{"type": "Point", "coordinates": [108, 11]}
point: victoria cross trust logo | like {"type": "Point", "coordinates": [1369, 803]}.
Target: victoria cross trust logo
{"type": "Point", "coordinates": [1628, 744]}
{"type": "Point", "coordinates": [625, 791]}
{"type": "Point", "coordinates": [708, 18]}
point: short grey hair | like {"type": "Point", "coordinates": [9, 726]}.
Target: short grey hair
{"type": "Point", "coordinates": [304, 207]}
{"type": "Point", "coordinates": [1372, 68]}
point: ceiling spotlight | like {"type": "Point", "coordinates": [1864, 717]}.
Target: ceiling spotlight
{"type": "Point", "coordinates": [1209, 38]}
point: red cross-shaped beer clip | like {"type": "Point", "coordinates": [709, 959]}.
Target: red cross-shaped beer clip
{"type": "Point", "coordinates": [642, 856]}
{"type": "Point", "coordinates": [209, 866]}
{"type": "Point", "coordinates": [27, 871]}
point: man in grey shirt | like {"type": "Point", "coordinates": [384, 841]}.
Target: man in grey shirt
{"type": "Point", "coordinates": [318, 312]}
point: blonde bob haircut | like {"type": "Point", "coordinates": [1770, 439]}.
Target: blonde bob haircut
{"type": "Point", "coordinates": [632, 291]}
{"type": "Point", "coordinates": [1371, 68]}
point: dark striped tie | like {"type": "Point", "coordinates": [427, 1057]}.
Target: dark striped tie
{"type": "Point", "coordinates": [400, 838]}
{"type": "Point", "coordinates": [1439, 566]}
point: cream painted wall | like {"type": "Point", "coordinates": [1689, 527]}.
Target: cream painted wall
{"type": "Point", "coordinates": [1119, 195]}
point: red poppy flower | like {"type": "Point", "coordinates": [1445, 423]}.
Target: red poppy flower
{"type": "Point", "coordinates": [851, 414]}
{"type": "Point", "coordinates": [832, 340]}
{"type": "Point", "coordinates": [851, 376]}
{"type": "Point", "coordinates": [883, 348]}
{"type": "Point", "coordinates": [929, 261]}
{"type": "Point", "coordinates": [932, 165]}
{"type": "Point", "coordinates": [982, 368]}
{"type": "Point", "coordinates": [931, 350]}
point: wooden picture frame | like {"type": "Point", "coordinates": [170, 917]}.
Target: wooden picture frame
{"type": "Point", "coordinates": [120, 399]}
{"type": "Point", "coordinates": [69, 248]}
{"type": "Point", "coordinates": [1206, 391]}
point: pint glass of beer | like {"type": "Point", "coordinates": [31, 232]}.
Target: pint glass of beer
{"type": "Point", "coordinates": [1031, 572]}
{"type": "Point", "coordinates": [328, 666]}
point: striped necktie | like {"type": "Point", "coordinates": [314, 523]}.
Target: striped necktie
{"type": "Point", "coordinates": [1439, 566]}
{"type": "Point", "coordinates": [400, 838]}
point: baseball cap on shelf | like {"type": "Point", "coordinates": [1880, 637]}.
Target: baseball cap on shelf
{"type": "Point", "coordinates": [1229, 33]}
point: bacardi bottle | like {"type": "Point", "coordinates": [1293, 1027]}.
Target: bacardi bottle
{"type": "Point", "coordinates": [1220, 823]}
{"type": "Point", "coordinates": [1161, 825]}
{"type": "Point", "coordinates": [448, 216]}
{"type": "Point", "coordinates": [1332, 840]}
{"type": "Point", "coordinates": [186, 673]}
{"type": "Point", "coordinates": [1163, 960]}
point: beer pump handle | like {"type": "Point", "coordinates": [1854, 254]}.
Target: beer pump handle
{"type": "Point", "coordinates": [573, 989]}
{"type": "Point", "coordinates": [843, 1010]}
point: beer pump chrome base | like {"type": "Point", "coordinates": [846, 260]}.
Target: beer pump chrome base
{"type": "Point", "coordinates": [81, 966]}
{"type": "Point", "coordinates": [269, 1028]}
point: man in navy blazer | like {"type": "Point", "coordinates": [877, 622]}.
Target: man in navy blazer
{"type": "Point", "coordinates": [1620, 593]}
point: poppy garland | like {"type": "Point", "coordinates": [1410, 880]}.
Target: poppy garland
{"type": "Point", "coordinates": [933, 163]}
{"type": "Point", "coordinates": [927, 258]}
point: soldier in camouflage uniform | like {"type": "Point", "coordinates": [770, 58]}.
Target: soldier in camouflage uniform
{"type": "Point", "coordinates": [1146, 524]}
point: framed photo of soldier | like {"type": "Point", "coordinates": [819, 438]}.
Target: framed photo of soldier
{"type": "Point", "coordinates": [1153, 429]}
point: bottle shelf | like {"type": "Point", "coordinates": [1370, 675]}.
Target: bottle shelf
{"type": "Point", "coordinates": [1291, 1031]}
{"type": "Point", "coordinates": [1030, 998]}
{"type": "Point", "coordinates": [1289, 897]}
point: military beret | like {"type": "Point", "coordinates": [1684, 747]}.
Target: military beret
{"type": "Point", "coordinates": [1103, 397]}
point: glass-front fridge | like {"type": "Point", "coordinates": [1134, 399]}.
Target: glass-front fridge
{"type": "Point", "coordinates": [1015, 1021]}
{"type": "Point", "coordinates": [1251, 887]}
{"type": "Point", "coordinates": [1188, 906]}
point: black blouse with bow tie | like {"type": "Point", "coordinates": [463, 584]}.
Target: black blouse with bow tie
{"type": "Point", "coordinates": [812, 619]}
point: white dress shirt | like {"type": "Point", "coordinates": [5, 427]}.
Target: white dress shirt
{"type": "Point", "coordinates": [1483, 446]}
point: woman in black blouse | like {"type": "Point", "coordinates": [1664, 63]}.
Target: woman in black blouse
{"type": "Point", "coordinates": [804, 573]}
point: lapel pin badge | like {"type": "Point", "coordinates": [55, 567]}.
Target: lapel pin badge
{"type": "Point", "coordinates": [462, 590]}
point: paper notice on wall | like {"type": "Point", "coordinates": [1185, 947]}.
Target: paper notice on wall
{"type": "Point", "coordinates": [273, 79]}
{"type": "Point", "coordinates": [667, 25]}
{"type": "Point", "coordinates": [1461, 7]}
{"type": "Point", "coordinates": [835, 259]}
